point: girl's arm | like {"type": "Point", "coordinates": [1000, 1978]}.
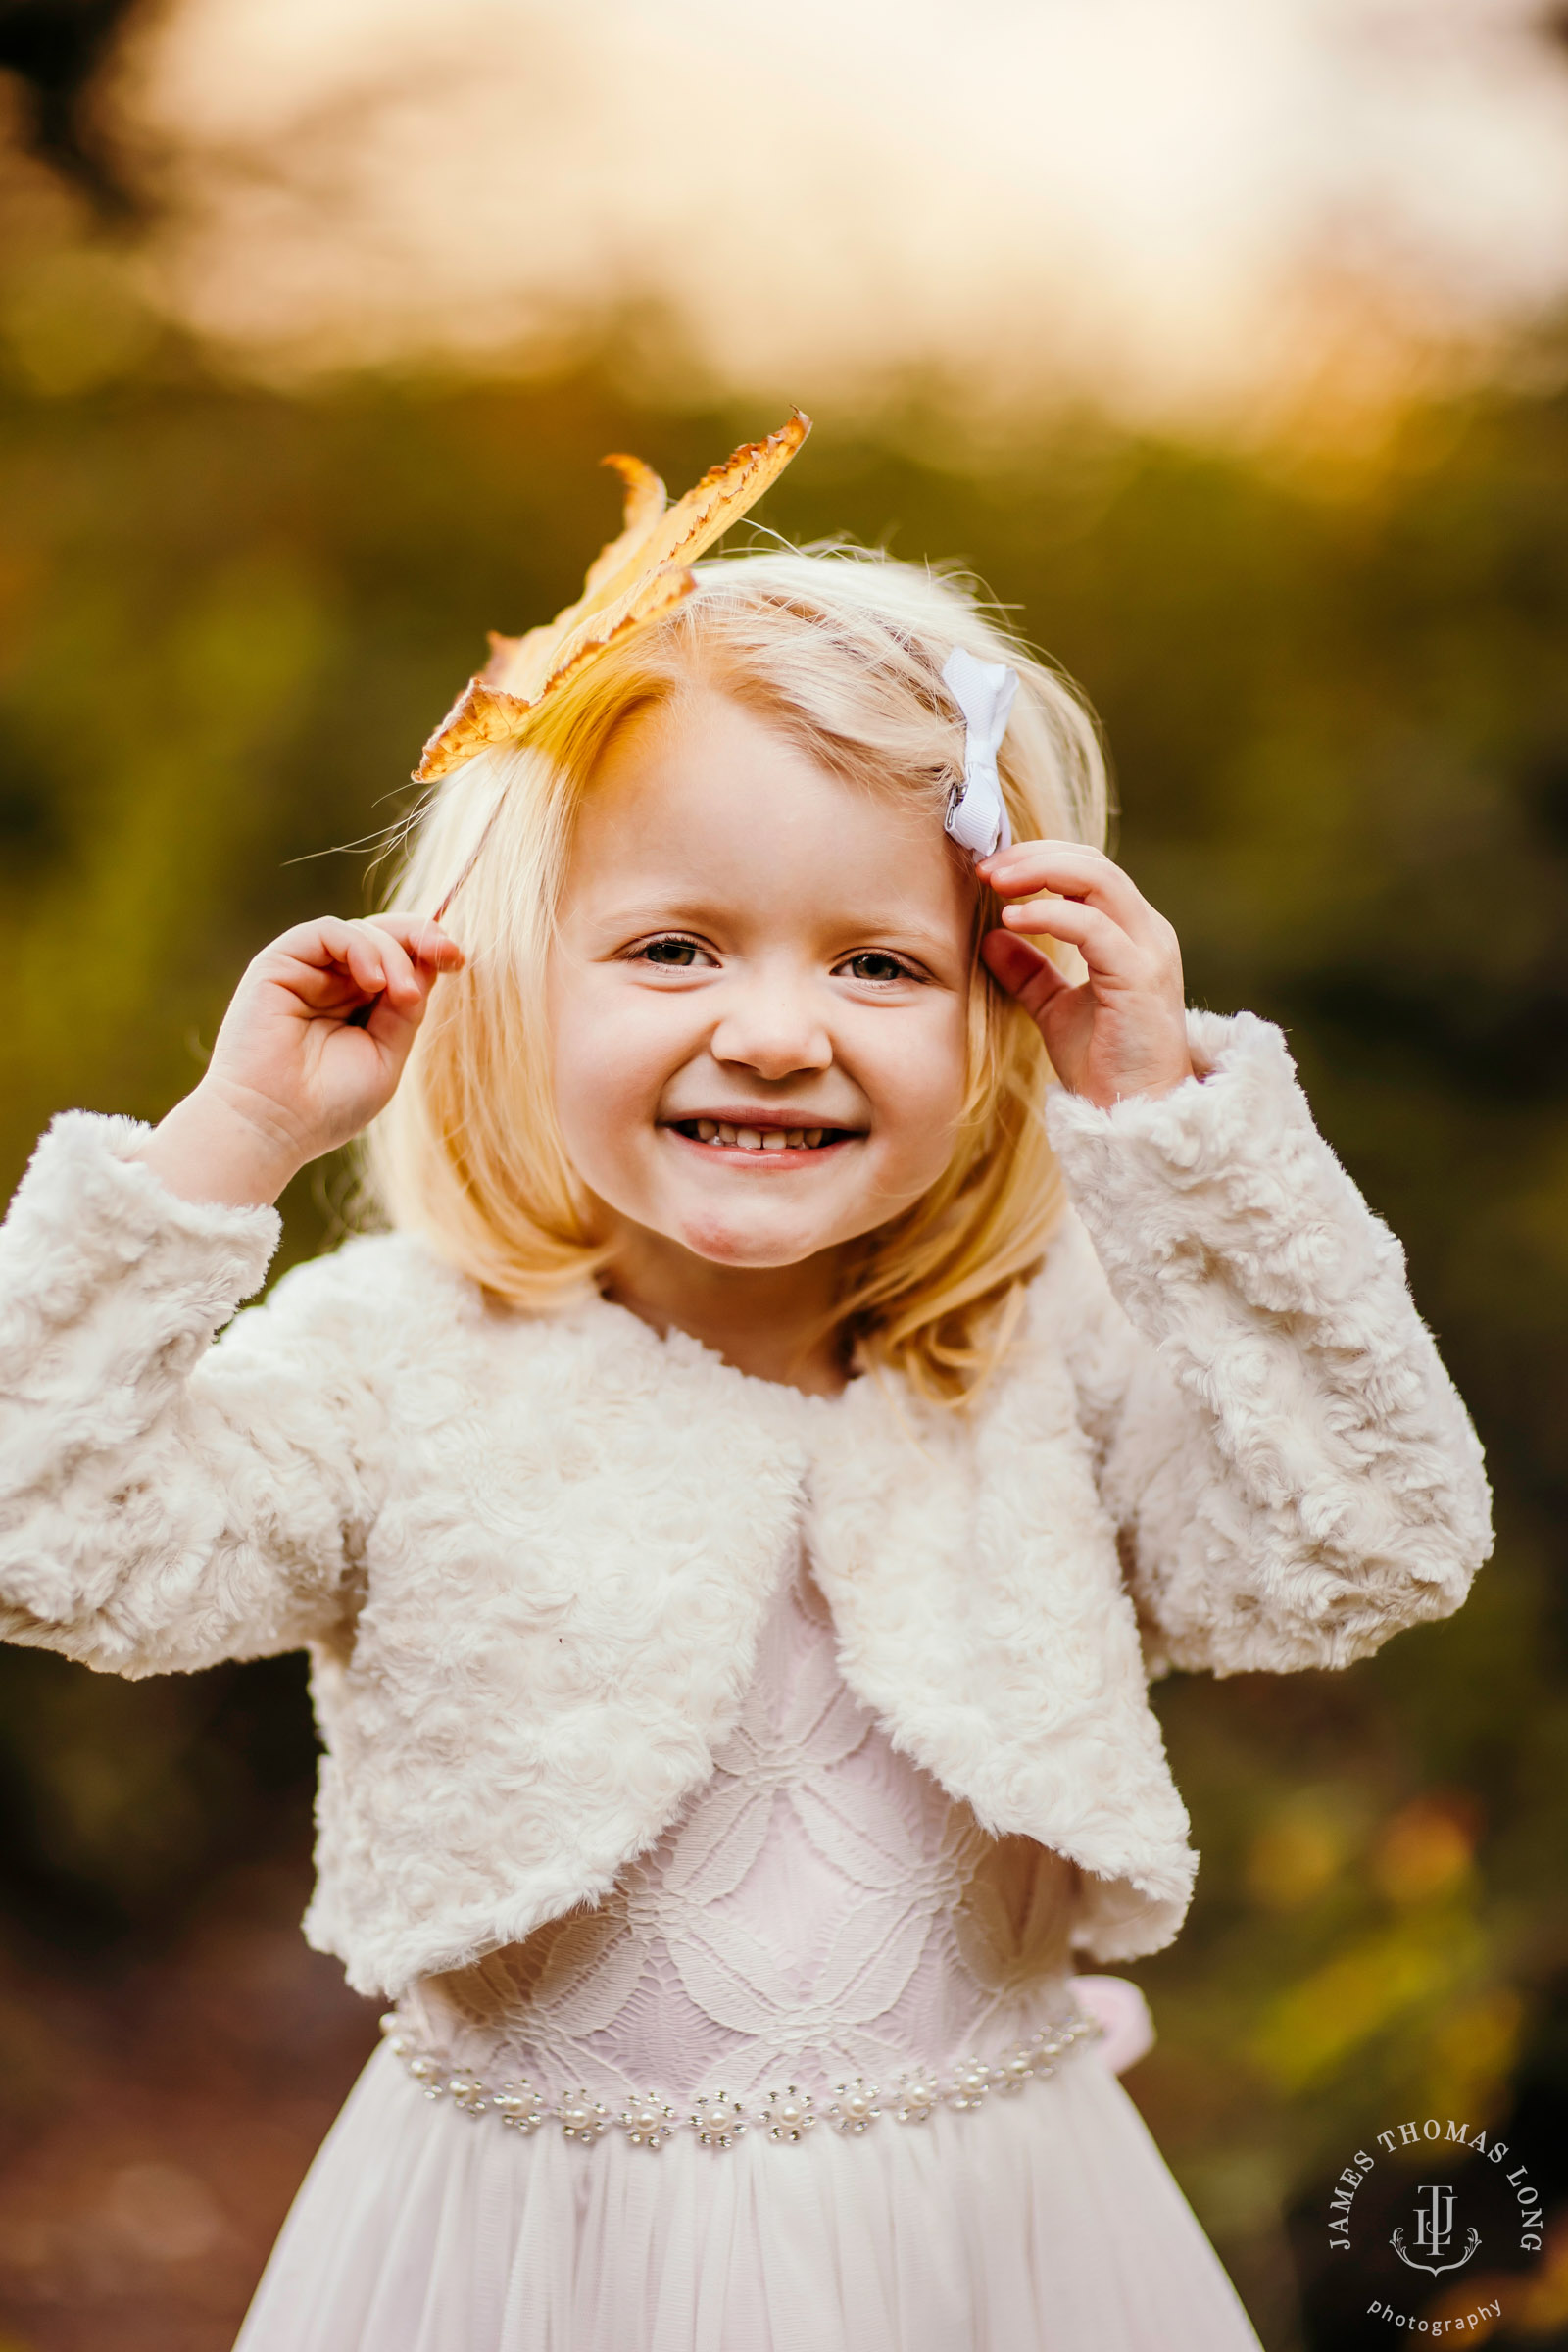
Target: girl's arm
{"type": "Point", "coordinates": [164, 1503]}
{"type": "Point", "coordinates": [1291, 1470]}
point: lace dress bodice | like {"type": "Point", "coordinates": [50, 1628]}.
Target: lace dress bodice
{"type": "Point", "coordinates": [822, 1949]}
{"type": "Point", "coordinates": [822, 1909]}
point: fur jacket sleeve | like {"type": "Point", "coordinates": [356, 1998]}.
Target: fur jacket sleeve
{"type": "Point", "coordinates": [164, 1505]}
{"type": "Point", "coordinates": [1290, 1470]}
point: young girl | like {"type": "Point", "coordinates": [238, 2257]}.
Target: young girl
{"type": "Point", "coordinates": [733, 1512]}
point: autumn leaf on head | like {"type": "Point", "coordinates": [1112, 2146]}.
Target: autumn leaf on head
{"type": "Point", "coordinates": [523, 665]}
{"type": "Point", "coordinates": [485, 713]}
{"type": "Point", "coordinates": [641, 573]}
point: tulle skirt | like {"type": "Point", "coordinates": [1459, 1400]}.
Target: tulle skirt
{"type": "Point", "coordinates": [1043, 2222]}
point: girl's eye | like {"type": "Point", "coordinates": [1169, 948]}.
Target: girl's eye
{"type": "Point", "coordinates": [875, 963]}
{"type": "Point", "coordinates": [672, 955]}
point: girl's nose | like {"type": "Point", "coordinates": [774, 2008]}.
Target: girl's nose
{"type": "Point", "coordinates": [774, 1027]}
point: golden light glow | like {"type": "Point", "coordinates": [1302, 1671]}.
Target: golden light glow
{"type": "Point", "coordinates": [1165, 208]}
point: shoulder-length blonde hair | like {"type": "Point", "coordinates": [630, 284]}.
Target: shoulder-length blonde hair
{"type": "Point", "coordinates": [844, 651]}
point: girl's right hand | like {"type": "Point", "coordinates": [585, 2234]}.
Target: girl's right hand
{"type": "Point", "coordinates": [294, 1072]}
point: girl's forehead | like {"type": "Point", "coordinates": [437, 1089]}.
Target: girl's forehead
{"type": "Point", "coordinates": [709, 814]}
{"type": "Point", "coordinates": [709, 781]}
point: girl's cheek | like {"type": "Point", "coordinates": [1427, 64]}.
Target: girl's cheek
{"type": "Point", "coordinates": [926, 1107]}
{"type": "Point", "coordinates": [924, 1079]}
{"type": "Point", "coordinates": [612, 1048]}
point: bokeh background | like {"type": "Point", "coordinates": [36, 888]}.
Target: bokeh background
{"type": "Point", "coordinates": [1227, 341]}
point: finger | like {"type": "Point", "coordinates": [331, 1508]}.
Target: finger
{"type": "Point", "coordinates": [387, 983]}
{"type": "Point", "coordinates": [1022, 970]}
{"type": "Point", "coordinates": [1022, 855]}
{"type": "Point", "coordinates": [1102, 941]}
{"type": "Point", "coordinates": [1072, 870]}
{"type": "Point", "coordinates": [392, 1020]}
{"type": "Point", "coordinates": [393, 1016]}
{"type": "Point", "coordinates": [424, 939]}
{"type": "Point", "coordinates": [332, 944]}
{"type": "Point", "coordinates": [315, 963]}
{"type": "Point", "coordinates": [401, 980]}
{"type": "Point", "coordinates": [365, 957]}
{"type": "Point", "coordinates": [321, 944]}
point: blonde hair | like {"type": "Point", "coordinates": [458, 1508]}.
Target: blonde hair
{"type": "Point", "coordinates": [844, 652]}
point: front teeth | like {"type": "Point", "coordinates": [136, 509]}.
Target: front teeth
{"type": "Point", "coordinates": [760, 1139]}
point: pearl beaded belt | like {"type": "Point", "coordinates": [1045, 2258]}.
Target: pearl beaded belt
{"type": "Point", "coordinates": [719, 2120]}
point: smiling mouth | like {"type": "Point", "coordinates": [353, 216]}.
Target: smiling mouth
{"type": "Point", "coordinates": [733, 1136]}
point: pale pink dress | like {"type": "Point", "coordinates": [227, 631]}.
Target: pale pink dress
{"type": "Point", "coordinates": [823, 1923]}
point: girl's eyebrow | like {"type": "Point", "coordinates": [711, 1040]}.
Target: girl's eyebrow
{"type": "Point", "coordinates": [646, 913]}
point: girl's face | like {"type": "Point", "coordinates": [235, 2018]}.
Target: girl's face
{"type": "Point", "coordinates": [758, 994]}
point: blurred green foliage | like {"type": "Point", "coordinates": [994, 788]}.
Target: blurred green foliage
{"type": "Point", "coordinates": [1337, 695]}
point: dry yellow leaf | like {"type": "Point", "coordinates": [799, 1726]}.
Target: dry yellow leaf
{"type": "Point", "coordinates": [640, 573]}
{"type": "Point", "coordinates": [523, 665]}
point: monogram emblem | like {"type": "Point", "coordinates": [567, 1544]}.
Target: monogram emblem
{"type": "Point", "coordinates": [1434, 2233]}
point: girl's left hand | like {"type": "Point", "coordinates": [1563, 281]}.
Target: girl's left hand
{"type": "Point", "coordinates": [1121, 1031]}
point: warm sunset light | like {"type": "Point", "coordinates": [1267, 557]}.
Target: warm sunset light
{"type": "Point", "coordinates": [1166, 206]}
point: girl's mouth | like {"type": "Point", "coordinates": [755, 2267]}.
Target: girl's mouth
{"type": "Point", "coordinates": [724, 1134]}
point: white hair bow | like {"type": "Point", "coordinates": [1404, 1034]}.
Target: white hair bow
{"type": "Point", "coordinates": [977, 817]}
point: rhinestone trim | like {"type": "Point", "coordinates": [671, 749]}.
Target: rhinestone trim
{"type": "Point", "coordinates": [786, 2117]}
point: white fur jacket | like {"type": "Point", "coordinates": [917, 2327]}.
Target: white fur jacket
{"type": "Point", "coordinates": [530, 1556]}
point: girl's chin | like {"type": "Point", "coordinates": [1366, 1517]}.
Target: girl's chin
{"type": "Point", "coordinates": [754, 1254]}
{"type": "Point", "coordinates": [748, 1246]}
